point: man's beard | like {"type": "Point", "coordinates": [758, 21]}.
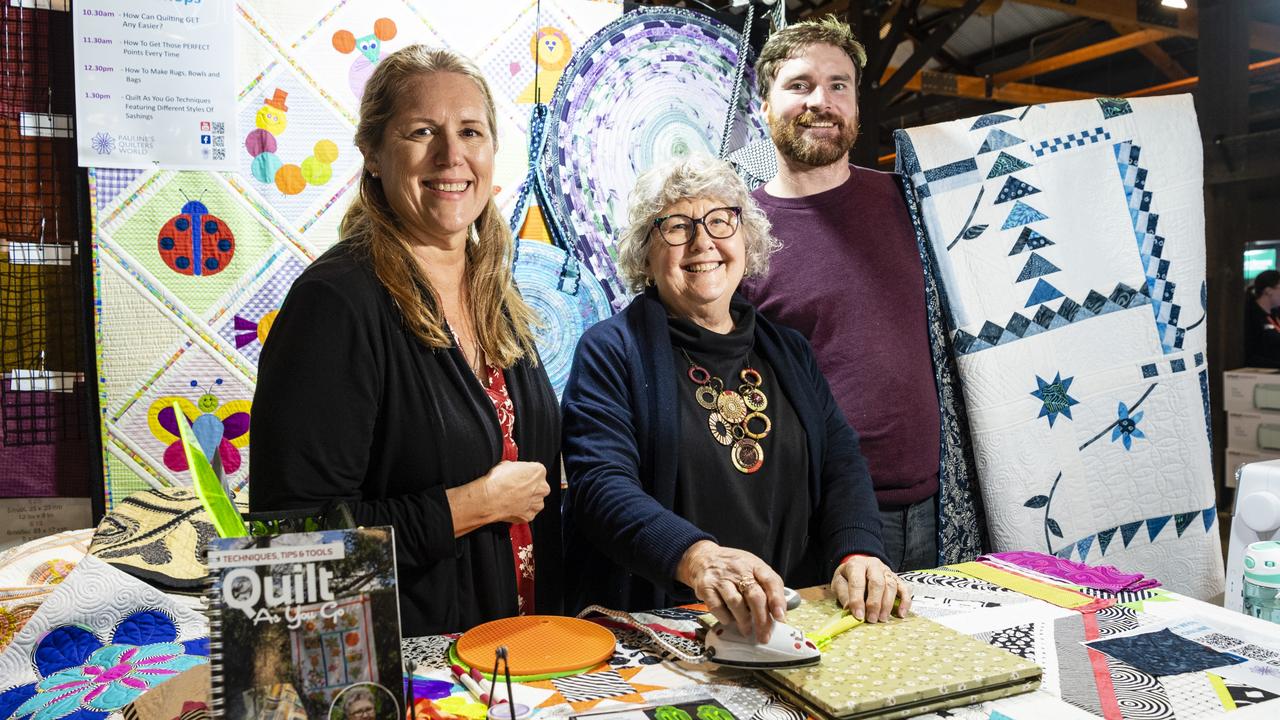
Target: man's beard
{"type": "Point", "coordinates": [788, 136]}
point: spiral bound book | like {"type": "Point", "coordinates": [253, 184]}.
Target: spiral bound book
{"type": "Point", "coordinates": [899, 668]}
{"type": "Point", "coordinates": [305, 625]}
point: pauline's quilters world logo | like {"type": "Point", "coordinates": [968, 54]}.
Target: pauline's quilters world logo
{"type": "Point", "coordinates": [103, 143]}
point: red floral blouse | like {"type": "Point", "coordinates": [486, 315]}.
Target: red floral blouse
{"type": "Point", "coordinates": [521, 535]}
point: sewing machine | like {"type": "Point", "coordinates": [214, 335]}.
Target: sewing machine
{"type": "Point", "coordinates": [1256, 517]}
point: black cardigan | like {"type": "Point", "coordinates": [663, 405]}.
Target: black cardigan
{"type": "Point", "coordinates": [351, 406]}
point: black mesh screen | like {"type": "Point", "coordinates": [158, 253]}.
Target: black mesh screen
{"type": "Point", "coordinates": [45, 430]}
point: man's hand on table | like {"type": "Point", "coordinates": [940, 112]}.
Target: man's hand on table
{"type": "Point", "coordinates": [866, 587]}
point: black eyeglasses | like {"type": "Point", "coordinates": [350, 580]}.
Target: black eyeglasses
{"type": "Point", "coordinates": [677, 230]}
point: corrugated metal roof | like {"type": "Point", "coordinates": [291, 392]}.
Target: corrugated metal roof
{"type": "Point", "coordinates": [1012, 21]}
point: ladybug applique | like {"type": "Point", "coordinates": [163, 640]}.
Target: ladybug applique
{"type": "Point", "coordinates": [195, 242]}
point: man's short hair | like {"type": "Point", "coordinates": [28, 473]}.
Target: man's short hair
{"type": "Point", "coordinates": [792, 40]}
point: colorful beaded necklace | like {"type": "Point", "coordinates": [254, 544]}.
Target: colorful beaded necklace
{"type": "Point", "coordinates": [732, 413]}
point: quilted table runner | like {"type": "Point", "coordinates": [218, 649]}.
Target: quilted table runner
{"type": "Point", "coordinates": [1070, 242]}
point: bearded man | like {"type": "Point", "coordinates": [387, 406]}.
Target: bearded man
{"type": "Point", "coordinates": [850, 277]}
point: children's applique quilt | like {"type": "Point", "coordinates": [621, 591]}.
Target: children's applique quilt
{"type": "Point", "coordinates": [182, 315]}
{"type": "Point", "coordinates": [1069, 239]}
{"type": "Point", "coordinates": [191, 268]}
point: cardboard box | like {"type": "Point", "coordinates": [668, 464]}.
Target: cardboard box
{"type": "Point", "coordinates": [1236, 458]}
{"type": "Point", "coordinates": [1249, 390]}
{"type": "Point", "coordinates": [1256, 432]}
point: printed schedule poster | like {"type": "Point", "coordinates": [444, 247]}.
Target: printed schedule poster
{"type": "Point", "coordinates": [155, 84]}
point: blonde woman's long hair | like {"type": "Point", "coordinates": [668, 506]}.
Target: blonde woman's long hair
{"type": "Point", "coordinates": [503, 321]}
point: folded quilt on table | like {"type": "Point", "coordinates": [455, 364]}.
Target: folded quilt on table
{"type": "Point", "coordinates": [1069, 240]}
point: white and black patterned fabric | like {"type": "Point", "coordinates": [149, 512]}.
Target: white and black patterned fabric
{"type": "Point", "coordinates": [1140, 696]}
{"type": "Point", "coordinates": [593, 686]}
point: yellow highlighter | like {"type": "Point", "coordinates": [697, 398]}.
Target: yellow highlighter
{"type": "Point", "coordinates": [842, 621]}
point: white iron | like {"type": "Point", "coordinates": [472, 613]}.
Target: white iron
{"type": "Point", "coordinates": [787, 648]}
{"type": "Point", "coordinates": [1256, 517]}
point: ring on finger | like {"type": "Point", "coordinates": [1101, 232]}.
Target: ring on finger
{"type": "Point", "coordinates": [744, 583]}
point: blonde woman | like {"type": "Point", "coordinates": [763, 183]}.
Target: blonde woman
{"type": "Point", "coordinates": [401, 376]}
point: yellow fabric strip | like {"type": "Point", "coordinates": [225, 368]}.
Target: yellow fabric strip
{"type": "Point", "coordinates": [1062, 597]}
{"type": "Point", "coordinates": [1224, 695]}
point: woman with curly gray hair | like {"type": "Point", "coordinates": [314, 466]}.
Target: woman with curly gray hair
{"type": "Point", "coordinates": [358, 703]}
{"type": "Point", "coordinates": [696, 176]}
{"type": "Point", "coordinates": [706, 457]}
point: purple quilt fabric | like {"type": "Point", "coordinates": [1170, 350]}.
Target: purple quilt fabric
{"type": "Point", "coordinates": [1101, 577]}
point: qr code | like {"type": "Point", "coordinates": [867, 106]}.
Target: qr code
{"type": "Point", "coordinates": [219, 129]}
{"type": "Point", "coordinates": [219, 153]}
{"type": "Point", "coordinates": [1253, 652]}
{"type": "Point", "coordinates": [1218, 641]}
{"type": "Point", "coordinates": [218, 141]}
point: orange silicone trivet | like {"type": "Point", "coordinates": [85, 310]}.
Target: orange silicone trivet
{"type": "Point", "coordinates": [537, 644]}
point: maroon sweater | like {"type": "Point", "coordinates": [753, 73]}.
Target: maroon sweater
{"type": "Point", "coordinates": [849, 278]}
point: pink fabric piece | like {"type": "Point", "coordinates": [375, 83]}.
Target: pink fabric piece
{"type": "Point", "coordinates": [94, 693]}
{"type": "Point", "coordinates": [1100, 577]}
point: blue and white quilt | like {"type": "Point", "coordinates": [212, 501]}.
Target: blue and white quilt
{"type": "Point", "coordinates": [1070, 242]}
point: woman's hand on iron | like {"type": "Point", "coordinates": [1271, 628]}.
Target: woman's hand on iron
{"type": "Point", "coordinates": [738, 587]}
{"type": "Point", "coordinates": [866, 587]}
{"type": "Point", "coordinates": [515, 490]}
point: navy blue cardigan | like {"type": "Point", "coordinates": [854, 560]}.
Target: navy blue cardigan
{"type": "Point", "coordinates": [621, 444]}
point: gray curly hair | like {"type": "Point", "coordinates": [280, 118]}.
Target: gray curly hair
{"type": "Point", "coordinates": [693, 176]}
{"type": "Point", "coordinates": [356, 694]}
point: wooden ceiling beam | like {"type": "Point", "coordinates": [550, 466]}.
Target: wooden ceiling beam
{"type": "Point", "coordinates": [1164, 62]}
{"type": "Point", "coordinates": [1156, 55]}
{"type": "Point", "coordinates": [1186, 84]}
{"type": "Point", "coordinates": [1262, 36]}
{"type": "Point", "coordinates": [893, 83]}
{"type": "Point", "coordinates": [914, 111]}
{"type": "Point", "coordinates": [988, 8]}
{"type": "Point", "coordinates": [891, 34]}
{"type": "Point", "coordinates": [1065, 36]}
{"type": "Point", "coordinates": [1082, 55]}
{"type": "Point", "coordinates": [976, 88]}
{"type": "Point", "coordinates": [1122, 11]}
